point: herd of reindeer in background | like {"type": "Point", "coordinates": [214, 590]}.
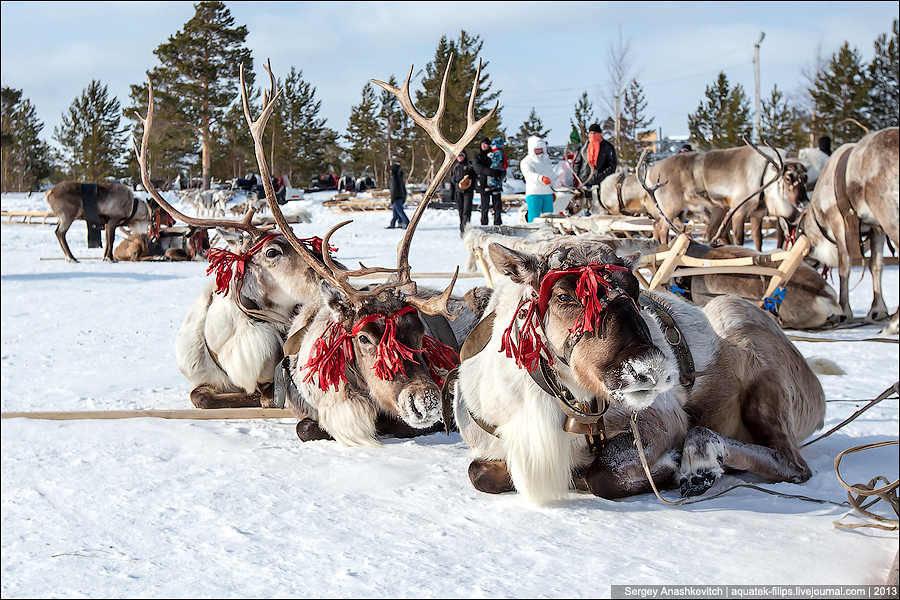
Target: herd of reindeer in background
{"type": "Point", "coordinates": [565, 346]}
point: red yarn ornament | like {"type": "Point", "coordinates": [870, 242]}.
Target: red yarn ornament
{"type": "Point", "coordinates": [227, 265]}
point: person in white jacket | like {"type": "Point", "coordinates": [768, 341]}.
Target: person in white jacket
{"type": "Point", "coordinates": [538, 174]}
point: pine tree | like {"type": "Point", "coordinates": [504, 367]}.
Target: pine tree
{"type": "Point", "coordinates": [26, 158]}
{"type": "Point", "coordinates": [841, 91]}
{"type": "Point", "coordinates": [307, 145]}
{"type": "Point", "coordinates": [634, 123]}
{"type": "Point", "coordinates": [172, 146]}
{"type": "Point", "coordinates": [91, 135]}
{"type": "Point", "coordinates": [723, 118]}
{"type": "Point", "coordinates": [364, 131]}
{"type": "Point", "coordinates": [518, 144]}
{"type": "Point", "coordinates": [200, 66]}
{"type": "Point", "coordinates": [583, 117]}
{"type": "Point", "coordinates": [884, 97]}
{"type": "Point", "coordinates": [781, 122]}
{"type": "Point", "coordinates": [465, 51]}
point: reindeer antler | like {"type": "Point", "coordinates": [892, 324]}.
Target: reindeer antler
{"type": "Point", "coordinates": [642, 171]}
{"type": "Point", "coordinates": [244, 224]}
{"type": "Point", "coordinates": [326, 268]}
{"type": "Point", "coordinates": [432, 127]}
{"type": "Point", "coordinates": [779, 173]}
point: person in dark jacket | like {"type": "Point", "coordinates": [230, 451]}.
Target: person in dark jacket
{"type": "Point", "coordinates": [462, 186]}
{"type": "Point", "coordinates": [825, 144]}
{"type": "Point", "coordinates": [490, 195]}
{"type": "Point", "coordinates": [595, 161]}
{"type": "Point", "coordinates": [398, 198]}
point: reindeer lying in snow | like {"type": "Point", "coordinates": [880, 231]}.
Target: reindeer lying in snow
{"type": "Point", "coordinates": [858, 194]}
{"type": "Point", "coordinates": [570, 347]}
{"type": "Point", "coordinates": [369, 345]}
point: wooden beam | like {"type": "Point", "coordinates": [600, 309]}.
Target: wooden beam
{"type": "Point", "coordinates": [204, 414]}
{"type": "Point", "coordinates": [671, 261]}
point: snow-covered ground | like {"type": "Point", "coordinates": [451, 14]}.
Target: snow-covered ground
{"type": "Point", "coordinates": [160, 508]}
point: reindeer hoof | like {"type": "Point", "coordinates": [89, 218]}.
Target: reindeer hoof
{"type": "Point", "coordinates": [309, 431]}
{"type": "Point", "coordinates": [203, 397]}
{"type": "Point", "coordinates": [697, 483]}
{"type": "Point", "coordinates": [877, 314]}
{"type": "Point", "coordinates": [490, 476]}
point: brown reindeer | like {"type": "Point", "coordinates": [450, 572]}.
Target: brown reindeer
{"type": "Point", "coordinates": [710, 184]}
{"type": "Point", "coordinates": [573, 348]}
{"type": "Point", "coordinates": [857, 196]}
{"type": "Point", "coordinates": [116, 206]}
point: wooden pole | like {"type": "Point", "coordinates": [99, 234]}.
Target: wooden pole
{"type": "Point", "coordinates": [788, 266]}
{"type": "Point", "coordinates": [203, 414]}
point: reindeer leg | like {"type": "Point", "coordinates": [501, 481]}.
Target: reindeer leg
{"type": "Point", "coordinates": [756, 232]}
{"type": "Point", "coordinates": [879, 310]}
{"type": "Point", "coordinates": [205, 396]}
{"type": "Point", "coordinates": [310, 431]}
{"type": "Point", "coordinates": [775, 457]}
{"type": "Point", "coordinates": [737, 228]}
{"type": "Point", "coordinates": [490, 476]}
{"type": "Point", "coordinates": [111, 225]}
{"type": "Point", "coordinates": [715, 215]}
{"type": "Point", "coordinates": [65, 221]}
{"type": "Point", "coordinates": [617, 471]}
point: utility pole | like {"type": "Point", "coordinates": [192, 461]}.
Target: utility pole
{"type": "Point", "coordinates": [756, 120]}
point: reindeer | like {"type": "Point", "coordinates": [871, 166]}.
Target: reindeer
{"type": "Point", "coordinates": [231, 339]}
{"type": "Point", "coordinates": [570, 348]}
{"type": "Point", "coordinates": [364, 363]}
{"type": "Point", "coordinates": [708, 184]}
{"type": "Point", "coordinates": [856, 196]}
{"type": "Point", "coordinates": [116, 206]}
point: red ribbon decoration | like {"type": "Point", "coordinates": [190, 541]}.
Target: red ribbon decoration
{"type": "Point", "coordinates": [334, 348]}
{"type": "Point", "coordinates": [228, 265]}
{"type": "Point", "coordinates": [530, 346]}
{"type": "Point", "coordinates": [314, 243]}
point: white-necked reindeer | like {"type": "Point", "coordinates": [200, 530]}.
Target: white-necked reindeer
{"type": "Point", "coordinates": [231, 339]}
{"type": "Point", "coordinates": [570, 348]}
{"type": "Point", "coordinates": [365, 362]}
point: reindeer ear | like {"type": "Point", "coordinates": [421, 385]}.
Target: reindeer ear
{"type": "Point", "coordinates": [336, 302]}
{"type": "Point", "coordinates": [234, 240]}
{"type": "Point", "coordinates": [521, 267]}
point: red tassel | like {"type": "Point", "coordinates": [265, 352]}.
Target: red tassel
{"type": "Point", "coordinates": [329, 356]}
{"type": "Point", "coordinates": [528, 351]}
{"type": "Point", "coordinates": [315, 244]}
{"type": "Point", "coordinates": [223, 261]}
{"type": "Point", "coordinates": [586, 291]}
{"type": "Point", "coordinates": [438, 356]}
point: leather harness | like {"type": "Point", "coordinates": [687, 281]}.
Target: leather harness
{"type": "Point", "coordinates": [845, 206]}
{"type": "Point", "coordinates": [579, 421]}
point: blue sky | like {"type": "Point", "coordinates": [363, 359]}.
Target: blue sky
{"type": "Point", "coordinates": [541, 54]}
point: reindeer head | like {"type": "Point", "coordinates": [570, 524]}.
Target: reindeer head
{"type": "Point", "coordinates": [580, 315]}
{"type": "Point", "coordinates": [789, 195]}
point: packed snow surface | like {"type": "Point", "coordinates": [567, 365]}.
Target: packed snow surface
{"type": "Point", "coordinates": [150, 507]}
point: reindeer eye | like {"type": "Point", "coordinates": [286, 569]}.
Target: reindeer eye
{"type": "Point", "coordinates": [364, 339]}
{"type": "Point", "coordinates": [273, 252]}
{"type": "Point", "coordinates": [565, 298]}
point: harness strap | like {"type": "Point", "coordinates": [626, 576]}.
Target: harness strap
{"type": "Point", "coordinates": [674, 337]}
{"type": "Point", "coordinates": [476, 341]}
{"type": "Point", "coordinates": [619, 181]}
{"type": "Point", "coordinates": [845, 206]}
{"type": "Point", "coordinates": [134, 206]}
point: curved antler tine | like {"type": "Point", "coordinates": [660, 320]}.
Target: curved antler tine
{"type": "Point", "coordinates": [437, 305]}
{"type": "Point", "coordinates": [642, 171]}
{"type": "Point", "coordinates": [326, 249]}
{"type": "Point", "coordinates": [442, 99]}
{"type": "Point", "coordinates": [244, 224]}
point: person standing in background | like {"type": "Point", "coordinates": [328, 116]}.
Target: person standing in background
{"type": "Point", "coordinates": [490, 197]}
{"type": "Point", "coordinates": [398, 198]}
{"type": "Point", "coordinates": [538, 174]}
{"type": "Point", "coordinates": [462, 182]}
